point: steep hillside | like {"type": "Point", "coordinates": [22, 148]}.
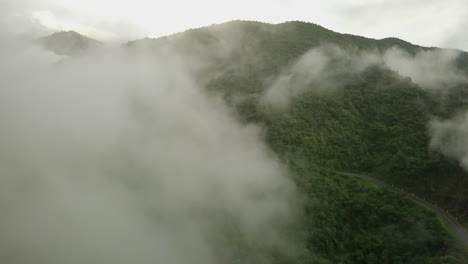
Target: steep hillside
{"type": "Point", "coordinates": [373, 120]}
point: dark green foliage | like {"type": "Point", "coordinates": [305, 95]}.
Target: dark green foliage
{"type": "Point", "coordinates": [350, 221]}
{"type": "Point", "coordinates": [376, 124]}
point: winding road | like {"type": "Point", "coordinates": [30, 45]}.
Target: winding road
{"type": "Point", "coordinates": [458, 230]}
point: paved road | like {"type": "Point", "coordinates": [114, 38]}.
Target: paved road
{"type": "Point", "coordinates": [458, 230]}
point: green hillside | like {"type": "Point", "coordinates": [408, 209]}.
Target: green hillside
{"type": "Point", "coordinates": [374, 121]}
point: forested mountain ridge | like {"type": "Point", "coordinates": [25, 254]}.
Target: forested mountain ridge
{"type": "Point", "coordinates": [327, 102]}
{"type": "Point", "coordinates": [376, 122]}
{"type": "Point", "coordinates": [289, 40]}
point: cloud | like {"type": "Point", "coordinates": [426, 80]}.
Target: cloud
{"type": "Point", "coordinates": [456, 37]}
{"type": "Point", "coordinates": [119, 159]}
{"type": "Point", "coordinates": [325, 68]}
{"type": "Point", "coordinates": [449, 137]}
{"type": "Point", "coordinates": [431, 69]}
{"type": "Point", "coordinates": [321, 70]}
{"type": "Point", "coordinates": [430, 23]}
{"type": "Point", "coordinates": [51, 23]}
{"type": "Point", "coordinates": [419, 21]}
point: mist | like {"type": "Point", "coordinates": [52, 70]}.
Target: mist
{"type": "Point", "coordinates": [122, 157]}
{"type": "Point", "coordinates": [449, 138]}
{"type": "Point", "coordinates": [433, 69]}
{"type": "Point", "coordinates": [326, 68]}
{"type": "Point", "coordinates": [321, 70]}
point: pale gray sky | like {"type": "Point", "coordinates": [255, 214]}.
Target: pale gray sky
{"type": "Point", "coordinates": [424, 22]}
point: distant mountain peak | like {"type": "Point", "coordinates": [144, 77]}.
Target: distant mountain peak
{"type": "Point", "coordinates": [68, 43]}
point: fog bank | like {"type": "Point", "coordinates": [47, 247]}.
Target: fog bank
{"type": "Point", "coordinates": [122, 158]}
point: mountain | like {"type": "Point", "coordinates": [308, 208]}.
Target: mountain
{"type": "Point", "coordinates": [68, 43]}
{"type": "Point", "coordinates": [374, 122]}
{"type": "Point", "coordinates": [360, 126]}
{"type": "Point", "coordinates": [266, 50]}
{"type": "Point", "coordinates": [331, 102]}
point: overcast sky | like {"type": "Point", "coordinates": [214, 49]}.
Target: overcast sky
{"type": "Point", "coordinates": [425, 22]}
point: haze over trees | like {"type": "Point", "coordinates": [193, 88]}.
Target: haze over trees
{"type": "Point", "coordinates": [221, 145]}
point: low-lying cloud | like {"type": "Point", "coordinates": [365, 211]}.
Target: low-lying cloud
{"type": "Point", "coordinates": [432, 69]}
{"type": "Point", "coordinates": [449, 137]}
{"type": "Point", "coordinates": [327, 67]}
{"type": "Point", "coordinates": [322, 69]}
{"type": "Point", "coordinates": [118, 158]}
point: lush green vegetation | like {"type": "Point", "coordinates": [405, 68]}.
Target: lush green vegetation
{"type": "Point", "coordinates": [349, 221]}
{"type": "Point", "coordinates": [375, 123]}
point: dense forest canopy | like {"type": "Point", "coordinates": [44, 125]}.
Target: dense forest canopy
{"type": "Point", "coordinates": [348, 103]}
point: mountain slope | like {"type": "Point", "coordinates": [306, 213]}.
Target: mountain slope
{"type": "Point", "coordinates": [339, 116]}
{"type": "Point", "coordinates": [378, 130]}
{"type": "Point", "coordinates": [375, 121]}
